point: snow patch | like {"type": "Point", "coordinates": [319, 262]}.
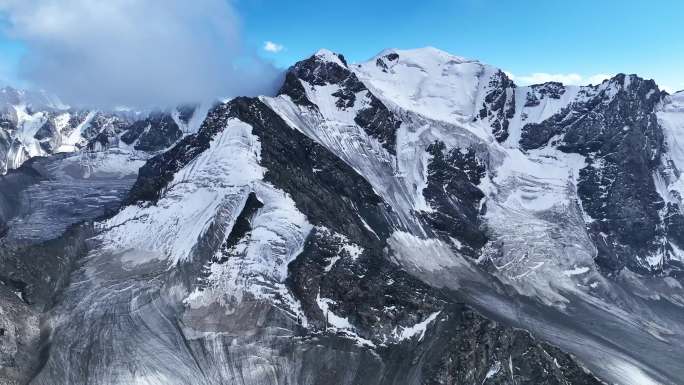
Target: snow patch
{"type": "Point", "coordinates": [419, 329]}
{"type": "Point", "coordinates": [423, 254]}
{"type": "Point", "coordinates": [576, 271]}
{"type": "Point", "coordinates": [340, 324]}
{"type": "Point", "coordinates": [493, 370]}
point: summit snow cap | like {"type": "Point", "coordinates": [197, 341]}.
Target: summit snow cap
{"type": "Point", "coordinates": [327, 55]}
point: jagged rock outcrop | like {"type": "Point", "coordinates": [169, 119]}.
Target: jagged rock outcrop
{"type": "Point", "coordinates": [498, 106]}
{"type": "Point", "coordinates": [327, 68]}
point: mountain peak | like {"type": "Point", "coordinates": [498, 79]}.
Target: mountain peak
{"type": "Point", "coordinates": [420, 56]}
{"type": "Point", "coordinates": [428, 81]}
{"type": "Point", "coordinates": [329, 56]}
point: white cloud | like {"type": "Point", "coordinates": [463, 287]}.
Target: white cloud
{"type": "Point", "coordinates": [135, 52]}
{"type": "Point", "coordinates": [568, 79]}
{"type": "Point", "coordinates": [270, 46]}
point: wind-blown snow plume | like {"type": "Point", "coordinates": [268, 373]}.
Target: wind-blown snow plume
{"type": "Point", "coordinates": [135, 53]}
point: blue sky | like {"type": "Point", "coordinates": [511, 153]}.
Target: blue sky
{"type": "Point", "coordinates": [572, 40]}
{"type": "Point", "coordinates": [11, 52]}
{"type": "Point", "coordinates": [586, 37]}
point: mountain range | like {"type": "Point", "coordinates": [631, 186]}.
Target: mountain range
{"type": "Point", "coordinates": [414, 219]}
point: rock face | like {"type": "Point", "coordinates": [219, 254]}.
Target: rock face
{"type": "Point", "coordinates": [326, 69]}
{"type": "Point", "coordinates": [157, 132]}
{"type": "Point", "coordinates": [498, 106]}
{"type": "Point", "coordinates": [616, 129]}
{"type": "Point", "coordinates": [415, 219]}
{"type": "Point", "coordinates": [453, 195]}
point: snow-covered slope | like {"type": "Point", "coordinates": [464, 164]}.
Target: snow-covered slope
{"type": "Point", "coordinates": [428, 81]}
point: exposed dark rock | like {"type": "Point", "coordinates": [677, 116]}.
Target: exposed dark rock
{"type": "Point", "coordinates": [370, 291]}
{"type": "Point", "coordinates": [392, 56]}
{"type": "Point", "coordinates": [45, 131]}
{"type": "Point", "coordinates": [77, 118]}
{"type": "Point", "coordinates": [134, 131]}
{"type": "Point", "coordinates": [102, 141]}
{"type": "Point", "coordinates": [499, 105]}
{"type": "Point", "coordinates": [47, 272]}
{"type": "Point", "coordinates": [346, 95]}
{"type": "Point", "coordinates": [380, 123]}
{"type": "Point", "coordinates": [674, 222]}
{"type": "Point", "coordinates": [552, 90]}
{"type": "Point", "coordinates": [19, 338]}
{"type": "Point", "coordinates": [293, 88]}
{"type": "Point", "coordinates": [452, 192]}
{"type": "Point", "coordinates": [381, 63]}
{"type": "Point", "coordinates": [12, 184]}
{"type": "Point", "coordinates": [474, 350]}
{"type": "Point", "coordinates": [155, 133]}
{"type": "Point", "coordinates": [318, 71]}
{"type": "Point", "coordinates": [45, 135]}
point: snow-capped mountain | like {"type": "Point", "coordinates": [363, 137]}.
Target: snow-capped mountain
{"type": "Point", "coordinates": [32, 124]}
{"type": "Point", "coordinates": [413, 219]}
{"type": "Point", "coordinates": [37, 125]}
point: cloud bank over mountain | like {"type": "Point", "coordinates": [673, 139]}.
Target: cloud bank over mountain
{"type": "Point", "coordinates": [135, 53]}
